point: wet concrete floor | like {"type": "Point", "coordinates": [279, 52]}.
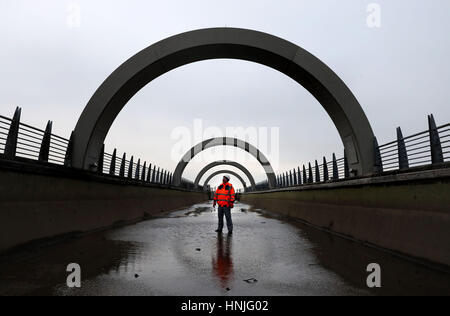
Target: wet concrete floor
{"type": "Point", "coordinates": [180, 254]}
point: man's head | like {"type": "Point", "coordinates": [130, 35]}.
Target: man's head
{"type": "Point", "coordinates": [226, 178]}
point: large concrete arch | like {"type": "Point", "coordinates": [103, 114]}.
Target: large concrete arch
{"type": "Point", "coordinates": [286, 57]}
{"type": "Point", "coordinates": [224, 141]}
{"type": "Point", "coordinates": [227, 163]}
{"type": "Point", "coordinates": [212, 175]}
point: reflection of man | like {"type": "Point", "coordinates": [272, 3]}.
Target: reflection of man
{"type": "Point", "coordinates": [223, 263]}
{"type": "Point", "coordinates": [225, 197]}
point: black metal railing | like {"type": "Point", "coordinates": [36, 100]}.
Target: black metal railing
{"type": "Point", "coordinates": [332, 170]}
{"type": "Point", "coordinates": [429, 147]}
{"type": "Point", "coordinates": [19, 140]}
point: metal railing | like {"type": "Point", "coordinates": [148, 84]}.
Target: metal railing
{"type": "Point", "coordinates": [311, 173]}
{"type": "Point", "coordinates": [19, 140]}
{"type": "Point", "coordinates": [429, 147]}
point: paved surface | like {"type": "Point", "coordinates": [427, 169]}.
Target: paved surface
{"type": "Point", "coordinates": [181, 255]}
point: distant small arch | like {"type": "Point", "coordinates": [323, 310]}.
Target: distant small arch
{"type": "Point", "coordinates": [224, 141]}
{"type": "Point", "coordinates": [212, 175]}
{"type": "Point", "coordinates": [227, 163]}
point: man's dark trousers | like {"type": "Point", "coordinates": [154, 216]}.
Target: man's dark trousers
{"type": "Point", "coordinates": [227, 212]}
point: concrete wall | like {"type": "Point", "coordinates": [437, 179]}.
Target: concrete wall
{"type": "Point", "coordinates": [408, 213]}
{"type": "Point", "coordinates": [39, 202]}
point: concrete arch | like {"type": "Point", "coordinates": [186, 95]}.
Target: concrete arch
{"type": "Point", "coordinates": [224, 141]}
{"type": "Point", "coordinates": [227, 163]}
{"type": "Point", "coordinates": [286, 57]}
{"type": "Point", "coordinates": [212, 175]}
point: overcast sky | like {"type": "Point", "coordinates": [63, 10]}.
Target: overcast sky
{"type": "Point", "coordinates": [50, 65]}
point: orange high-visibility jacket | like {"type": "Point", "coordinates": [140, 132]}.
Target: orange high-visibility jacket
{"type": "Point", "coordinates": [225, 195]}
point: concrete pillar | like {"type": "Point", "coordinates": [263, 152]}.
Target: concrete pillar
{"type": "Point", "coordinates": [45, 144]}
{"type": "Point", "coordinates": [402, 153]}
{"type": "Point", "coordinates": [435, 142]}
{"type": "Point", "coordinates": [317, 171]}
{"type": "Point", "coordinates": [326, 176]}
{"type": "Point", "coordinates": [335, 168]}
{"type": "Point", "coordinates": [130, 168]}
{"type": "Point", "coordinates": [112, 166]}
{"type": "Point", "coordinates": [122, 166]}
{"type": "Point", "coordinates": [138, 170]}
{"type": "Point", "coordinates": [101, 160]}
{"type": "Point", "coordinates": [13, 135]}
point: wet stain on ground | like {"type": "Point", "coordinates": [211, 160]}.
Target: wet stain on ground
{"type": "Point", "coordinates": [180, 254]}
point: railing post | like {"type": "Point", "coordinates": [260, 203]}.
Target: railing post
{"type": "Point", "coordinates": [13, 135]}
{"type": "Point", "coordinates": [130, 168]}
{"type": "Point", "coordinates": [69, 152]}
{"type": "Point", "coordinates": [149, 173]}
{"type": "Point", "coordinates": [335, 168]}
{"type": "Point", "coordinates": [157, 177]}
{"type": "Point", "coordinates": [112, 166]}
{"type": "Point", "coordinates": [402, 153]}
{"type": "Point", "coordinates": [44, 151]}
{"type": "Point", "coordinates": [137, 172]}
{"type": "Point", "coordinates": [310, 178]}
{"type": "Point", "coordinates": [122, 166]}
{"type": "Point", "coordinates": [305, 178]}
{"type": "Point", "coordinates": [317, 170]}
{"type": "Point", "coordinates": [435, 142]}
{"type": "Point", "coordinates": [291, 182]}
{"type": "Point", "coordinates": [295, 178]}
{"type": "Point", "coordinates": [378, 168]}
{"type": "Point", "coordinates": [346, 167]}
{"type": "Point", "coordinates": [143, 171]}
{"type": "Point", "coordinates": [101, 160]}
{"type": "Point", "coordinates": [154, 174]}
{"type": "Point", "coordinates": [299, 176]}
{"type": "Point", "coordinates": [326, 176]}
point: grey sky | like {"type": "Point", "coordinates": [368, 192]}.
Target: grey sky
{"type": "Point", "coordinates": [399, 72]}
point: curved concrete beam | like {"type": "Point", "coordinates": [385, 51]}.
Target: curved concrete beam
{"type": "Point", "coordinates": [227, 163]}
{"type": "Point", "coordinates": [224, 141]}
{"type": "Point", "coordinates": [286, 57]}
{"type": "Point", "coordinates": [224, 172]}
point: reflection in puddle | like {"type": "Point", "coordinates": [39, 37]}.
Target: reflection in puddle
{"type": "Point", "coordinates": [198, 211]}
{"type": "Point", "coordinates": [180, 254]}
{"type": "Point", "coordinates": [222, 263]}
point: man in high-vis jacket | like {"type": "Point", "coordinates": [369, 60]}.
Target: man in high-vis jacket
{"type": "Point", "coordinates": [225, 197]}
